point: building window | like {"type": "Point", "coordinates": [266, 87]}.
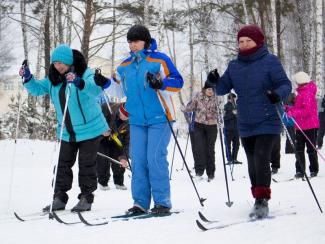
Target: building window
{"type": "Point", "coordinates": [8, 86]}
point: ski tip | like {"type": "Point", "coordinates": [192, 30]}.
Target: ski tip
{"type": "Point", "coordinates": [202, 217]}
{"type": "Point", "coordinates": [19, 218]}
{"type": "Point", "coordinates": [53, 215]}
{"type": "Point", "coordinates": [200, 225]}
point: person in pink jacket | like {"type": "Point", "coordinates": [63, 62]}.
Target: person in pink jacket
{"type": "Point", "coordinates": [304, 112]}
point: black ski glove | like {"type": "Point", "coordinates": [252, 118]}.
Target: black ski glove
{"type": "Point", "coordinates": [101, 80]}
{"type": "Point", "coordinates": [273, 97]}
{"type": "Point", "coordinates": [154, 83]}
{"type": "Point", "coordinates": [213, 76]}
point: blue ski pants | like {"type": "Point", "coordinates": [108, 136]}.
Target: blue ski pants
{"type": "Point", "coordinates": [150, 174]}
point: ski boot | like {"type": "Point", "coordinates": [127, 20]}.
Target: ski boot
{"type": "Point", "coordinates": [160, 210]}
{"type": "Point", "coordinates": [82, 205]}
{"type": "Point", "coordinates": [260, 209]}
{"type": "Point", "coordinates": [57, 205]}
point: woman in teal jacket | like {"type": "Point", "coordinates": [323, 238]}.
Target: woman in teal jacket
{"type": "Point", "coordinates": [84, 122]}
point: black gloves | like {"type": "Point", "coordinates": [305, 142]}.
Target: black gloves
{"type": "Point", "coordinates": [213, 76]}
{"type": "Point", "coordinates": [101, 80]}
{"type": "Point", "coordinates": [273, 97]}
{"type": "Point", "coordinates": [154, 83]}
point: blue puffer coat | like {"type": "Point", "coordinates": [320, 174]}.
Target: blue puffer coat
{"type": "Point", "coordinates": [87, 119]}
{"type": "Point", "coordinates": [251, 76]}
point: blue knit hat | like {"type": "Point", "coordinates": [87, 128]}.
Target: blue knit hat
{"type": "Point", "coordinates": [62, 53]}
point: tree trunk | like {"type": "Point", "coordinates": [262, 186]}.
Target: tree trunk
{"type": "Point", "coordinates": [113, 39]}
{"type": "Point", "coordinates": [245, 12]}
{"type": "Point", "coordinates": [161, 25]}
{"type": "Point", "coordinates": [47, 57]}
{"type": "Point", "coordinates": [41, 38]}
{"type": "Point", "coordinates": [274, 30]}
{"type": "Point", "coordinates": [146, 20]}
{"type": "Point", "coordinates": [190, 43]}
{"type": "Point", "coordinates": [278, 28]}
{"type": "Point", "coordinates": [87, 29]}
{"type": "Point", "coordinates": [319, 46]}
{"type": "Point", "coordinates": [59, 18]}
{"type": "Point", "coordinates": [304, 13]}
{"type": "Point", "coordinates": [69, 22]}
{"type": "Point", "coordinates": [23, 27]}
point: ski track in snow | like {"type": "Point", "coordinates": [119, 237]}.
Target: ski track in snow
{"type": "Point", "coordinates": [31, 191]}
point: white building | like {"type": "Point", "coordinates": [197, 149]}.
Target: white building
{"type": "Point", "coordinates": [10, 86]}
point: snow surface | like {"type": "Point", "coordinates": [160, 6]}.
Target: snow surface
{"type": "Point", "coordinates": [30, 162]}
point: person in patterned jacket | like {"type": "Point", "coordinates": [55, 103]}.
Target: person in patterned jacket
{"type": "Point", "coordinates": [204, 104]}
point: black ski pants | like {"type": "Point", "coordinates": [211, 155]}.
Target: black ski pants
{"type": "Point", "coordinates": [258, 151]}
{"type": "Point", "coordinates": [321, 130]}
{"type": "Point", "coordinates": [301, 142]}
{"type": "Point", "coordinates": [232, 144]}
{"type": "Point", "coordinates": [204, 156]}
{"type": "Point", "coordinates": [275, 155]}
{"type": "Point", "coordinates": [288, 147]}
{"type": "Point", "coordinates": [87, 168]}
{"type": "Point", "coordinates": [109, 148]}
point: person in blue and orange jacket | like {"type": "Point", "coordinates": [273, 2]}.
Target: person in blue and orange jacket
{"type": "Point", "coordinates": [148, 79]}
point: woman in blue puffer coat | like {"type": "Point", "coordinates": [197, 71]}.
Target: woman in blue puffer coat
{"type": "Point", "coordinates": [84, 122]}
{"type": "Point", "coordinates": [260, 82]}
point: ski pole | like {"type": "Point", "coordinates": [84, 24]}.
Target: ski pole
{"type": "Point", "coordinates": [180, 150]}
{"type": "Point", "coordinates": [111, 159]}
{"type": "Point", "coordinates": [171, 168]}
{"type": "Point", "coordinates": [228, 155]}
{"type": "Point", "coordinates": [302, 132]}
{"type": "Point", "coordinates": [187, 139]}
{"type": "Point", "coordinates": [228, 203]}
{"type": "Point", "coordinates": [13, 160]}
{"type": "Point", "coordinates": [188, 135]}
{"type": "Point", "coordinates": [60, 143]}
{"type": "Point", "coordinates": [300, 163]}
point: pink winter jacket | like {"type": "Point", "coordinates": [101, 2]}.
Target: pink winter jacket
{"type": "Point", "coordinates": [304, 111]}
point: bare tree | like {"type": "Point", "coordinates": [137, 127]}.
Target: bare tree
{"type": "Point", "coordinates": [23, 27]}
{"type": "Point", "coordinates": [69, 22]}
{"type": "Point", "coordinates": [146, 14]}
{"type": "Point", "coordinates": [303, 15]}
{"type": "Point", "coordinates": [274, 29]}
{"type": "Point", "coordinates": [245, 12]}
{"type": "Point", "coordinates": [319, 45]}
{"type": "Point", "coordinates": [113, 38]}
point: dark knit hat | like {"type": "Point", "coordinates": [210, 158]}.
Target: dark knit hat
{"type": "Point", "coordinates": [208, 84]}
{"type": "Point", "coordinates": [139, 33]}
{"type": "Point", "coordinates": [63, 54]}
{"type": "Point", "coordinates": [254, 32]}
{"type": "Point", "coordinates": [123, 111]}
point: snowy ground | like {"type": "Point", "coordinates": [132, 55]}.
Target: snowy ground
{"type": "Point", "coordinates": [31, 190]}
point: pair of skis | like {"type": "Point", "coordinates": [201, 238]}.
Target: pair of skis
{"type": "Point", "coordinates": [205, 224]}
{"type": "Point", "coordinates": [93, 222]}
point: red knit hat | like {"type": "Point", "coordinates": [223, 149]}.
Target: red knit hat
{"type": "Point", "coordinates": [254, 32]}
{"type": "Point", "coordinates": [123, 111]}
